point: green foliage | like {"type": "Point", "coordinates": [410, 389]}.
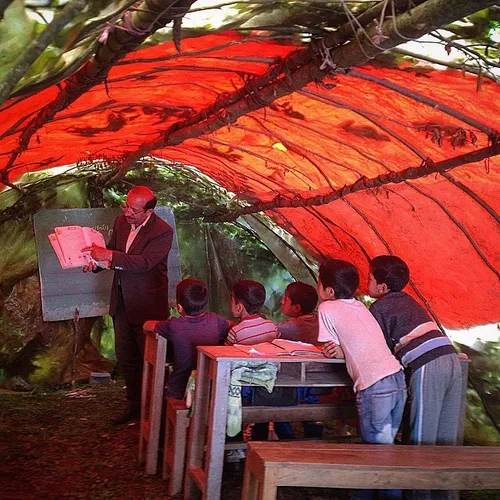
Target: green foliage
{"type": "Point", "coordinates": [11, 339]}
{"type": "Point", "coordinates": [47, 367]}
{"type": "Point", "coordinates": [483, 396]}
{"type": "Point", "coordinates": [16, 32]}
{"type": "Point", "coordinates": [17, 250]}
{"type": "Point", "coordinates": [103, 335]}
{"type": "Point", "coordinates": [190, 193]}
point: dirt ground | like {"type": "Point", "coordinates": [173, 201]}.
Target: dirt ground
{"type": "Point", "coordinates": [61, 445]}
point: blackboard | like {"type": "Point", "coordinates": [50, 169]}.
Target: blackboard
{"type": "Point", "coordinates": [63, 290]}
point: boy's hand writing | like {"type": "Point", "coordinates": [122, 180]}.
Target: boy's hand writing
{"type": "Point", "coordinates": [332, 350]}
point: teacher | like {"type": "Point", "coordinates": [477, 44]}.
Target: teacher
{"type": "Point", "coordinates": [138, 253]}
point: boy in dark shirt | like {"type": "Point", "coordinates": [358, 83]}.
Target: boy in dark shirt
{"type": "Point", "coordinates": [192, 329]}
{"type": "Point", "coordinates": [431, 363]}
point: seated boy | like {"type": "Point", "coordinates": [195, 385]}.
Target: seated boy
{"type": "Point", "coordinates": [431, 363]}
{"type": "Point", "coordinates": [247, 299]}
{"type": "Point", "coordinates": [193, 328]}
{"type": "Point", "coordinates": [298, 304]}
{"type": "Point", "coordinates": [350, 331]}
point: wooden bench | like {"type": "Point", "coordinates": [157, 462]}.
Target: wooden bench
{"type": "Point", "coordinates": [177, 424]}
{"type": "Point", "coordinates": [329, 465]}
{"type": "Point", "coordinates": [174, 451]}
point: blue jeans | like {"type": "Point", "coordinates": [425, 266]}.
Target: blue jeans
{"type": "Point", "coordinates": [380, 411]}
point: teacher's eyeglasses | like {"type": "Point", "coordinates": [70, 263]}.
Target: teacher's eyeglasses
{"type": "Point", "coordinates": [134, 211]}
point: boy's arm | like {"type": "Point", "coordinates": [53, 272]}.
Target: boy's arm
{"type": "Point", "coordinates": [231, 338]}
{"type": "Point", "coordinates": [286, 330]}
{"type": "Point", "coordinates": [377, 312]}
{"type": "Point", "coordinates": [328, 335]}
{"type": "Point", "coordinates": [149, 326]}
{"type": "Point", "coordinates": [333, 350]}
{"type": "Point", "coordinates": [224, 326]}
{"type": "Point", "coordinates": [326, 330]}
{"type": "Point", "coordinates": [161, 327]}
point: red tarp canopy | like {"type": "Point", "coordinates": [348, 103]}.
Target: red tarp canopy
{"type": "Point", "coordinates": [354, 127]}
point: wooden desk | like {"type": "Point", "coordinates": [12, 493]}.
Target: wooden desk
{"type": "Point", "coordinates": [208, 423]}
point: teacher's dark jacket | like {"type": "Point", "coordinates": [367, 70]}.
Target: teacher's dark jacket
{"type": "Point", "coordinates": [142, 273]}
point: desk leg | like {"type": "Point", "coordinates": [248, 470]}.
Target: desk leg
{"type": "Point", "coordinates": [197, 431]}
{"type": "Point", "coordinates": [145, 403]}
{"type": "Point", "coordinates": [217, 430]}
{"type": "Point", "coordinates": [269, 485]}
{"type": "Point", "coordinates": [250, 487]}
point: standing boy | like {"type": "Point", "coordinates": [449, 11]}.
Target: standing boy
{"type": "Point", "coordinates": [350, 331]}
{"type": "Point", "coordinates": [431, 363]}
{"type": "Point", "coordinates": [193, 328]}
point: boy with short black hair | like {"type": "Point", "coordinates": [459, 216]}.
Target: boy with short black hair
{"type": "Point", "coordinates": [350, 331]}
{"type": "Point", "coordinates": [431, 363]}
{"type": "Point", "coordinates": [193, 328]}
{"type": "Point", "coordinates": [298, 304]}
{"type": "Point", "coordinates": [247, 299]}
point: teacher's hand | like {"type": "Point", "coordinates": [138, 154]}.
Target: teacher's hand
{"type": "Point", "coordinates": [91, 266]}
{"type": "Point", "coordinates": [99, 253]}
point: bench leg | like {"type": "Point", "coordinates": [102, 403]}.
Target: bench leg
{"type": "Point", "coordinates": [179, 455]}
{"type": "Point", "coordinates": [166, 444]}
{"type": "Point", "coordinates": [269, 485]}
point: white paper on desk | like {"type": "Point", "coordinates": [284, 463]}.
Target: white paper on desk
{"type": "Point", "coordinates": [262, 348]}
{"type": "Point", "coordinates": [298, 348]}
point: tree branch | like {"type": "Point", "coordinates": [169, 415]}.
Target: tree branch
{"type": "Point", "coordinates": [469, 68]}
{"type": "Point", "coordinates": [124, 37]}
{"type": "Point", "coordinates": [3, 7]}
{"type": "Point", "coordinates": [37, 46]}
{"type": "Point", "coordinates": [410, 25]}
{"type": "Point", "coordinates": [363, 184]}
{"type": "Point", "coordinates": [429, 101]}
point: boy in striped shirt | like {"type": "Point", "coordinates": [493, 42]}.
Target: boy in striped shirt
{"type": "Point", "coordinates": [432, 366]}
{"type": "Point", "coordinates": [246, 301]}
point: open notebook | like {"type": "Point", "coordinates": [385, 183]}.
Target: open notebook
{"type": "Point", "coordinates": [68, 241]}
{"type": "Point", "coordinates": [281, 347]}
